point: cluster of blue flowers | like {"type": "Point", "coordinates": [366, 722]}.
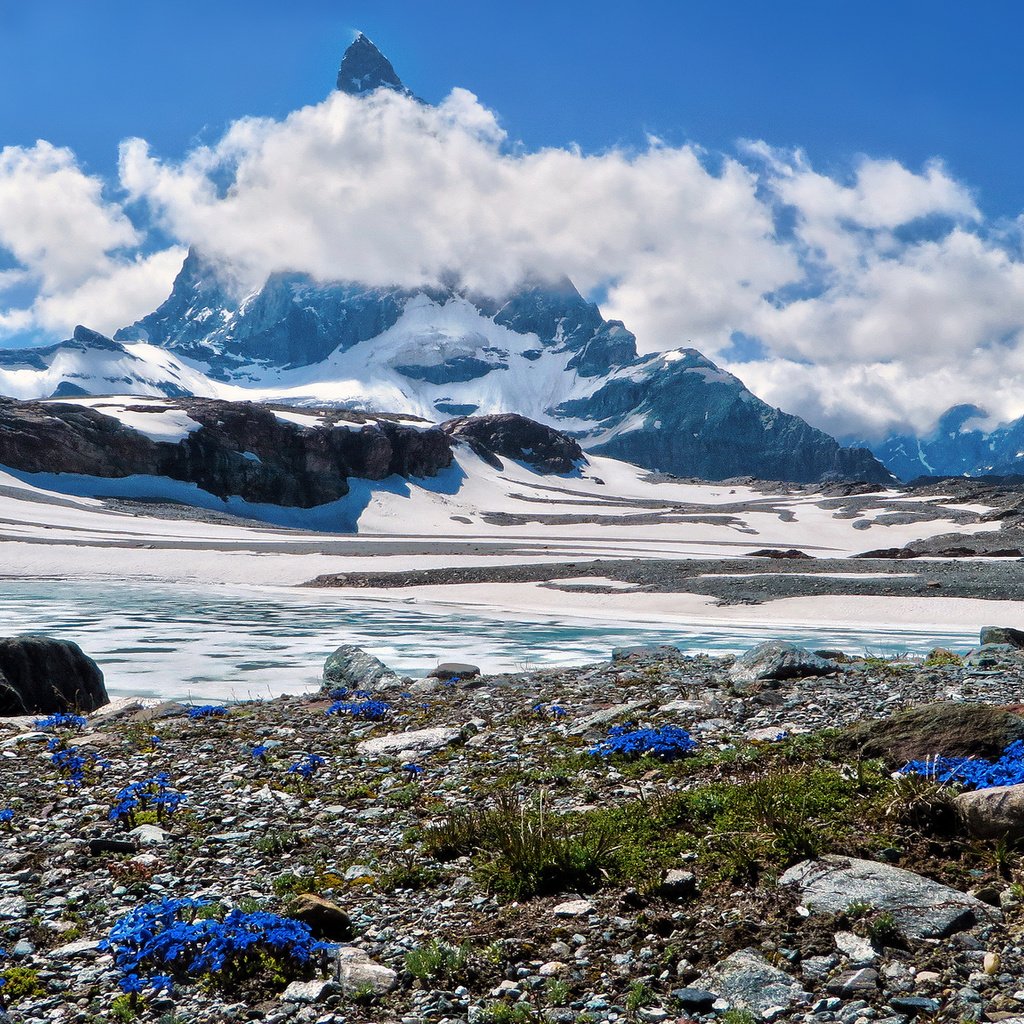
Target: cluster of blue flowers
{"type": "Point", "coordinates": [977, 772]}
{"type": "Point", "coordinates": [555, 711]}
{"type": "Point", "coordinates": [76, 766]}
{"type": "Point", "coordinates": [308, 767]}
{"type": "Point", "coordinates": [259, 752]}
{"type": "Point", "coordinates": [158, 942]}
{"type": "Point", "coordinates": [6, 815]}
{"type": "Point", "coordinates": [62, 721]}
{"type": "Point", "coordinates": [207, 711]}
{"type": "Point", "coordinates": [667, 742]}
{"type": "Point", "coordinates": [371, 710]}
{"type": "Point", "coordinates": [155, 793]}
{"type": "Point", "coordinates": [412, 769]}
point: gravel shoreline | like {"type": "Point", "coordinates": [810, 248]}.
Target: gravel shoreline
{"type": "Point", "coordinates": [640, 947]}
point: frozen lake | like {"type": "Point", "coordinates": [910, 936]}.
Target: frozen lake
{"type": "Point", "coordinates": [223, 643]}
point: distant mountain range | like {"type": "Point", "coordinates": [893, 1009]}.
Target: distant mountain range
{"type": "Point", "coordinates": [957, 447]}
{"type": "Point", "coordinates": [543, 351]}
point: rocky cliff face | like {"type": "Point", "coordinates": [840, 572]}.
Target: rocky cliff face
{"type": "Point", "coordinates": [515, 437]}
{"type": "Point", "coordinates": [231, 448]}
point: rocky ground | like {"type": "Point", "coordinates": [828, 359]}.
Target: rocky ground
{"type": "Point", "coordinates": [485, 865]}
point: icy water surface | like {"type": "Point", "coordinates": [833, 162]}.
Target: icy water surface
{"type": "Point", "coordinates": [235, 643]}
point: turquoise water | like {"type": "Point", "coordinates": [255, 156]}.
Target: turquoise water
{"type": "Point", "coordinates": [235, 643]}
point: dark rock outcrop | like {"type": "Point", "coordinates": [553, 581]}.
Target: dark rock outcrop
{"type": "Point", "coordinates": [949, 729]}
{"type": "Point", "coordinates": [1002, 635]}
{"type": "Point", "coordinates": [41, 675]}
{"type": "Point", "coordinates": [352, 668]}
{"type": "Point", "coordinates": [516, 437]}
{"type": "Point", "coordinates": [240, 449]}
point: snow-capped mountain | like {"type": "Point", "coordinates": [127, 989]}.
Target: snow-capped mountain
{"type": "Point", "coordinates": [957, 446]}
{"type": "Point", "coordinates": [543, 351]}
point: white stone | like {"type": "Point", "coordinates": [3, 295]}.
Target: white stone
{"type": "Point", "coordinates": [418, 741]}
{"type": "Point", "coordinates": [856, 949]}
{"type": "Point", "coordinates": [573, 908]}
{"type": "Point", "coordinates": [356, 971]}
{"type": "Point", "coordinates": [308, 991]}
{"type": "Point", "coordinates": [150, 835]}
{"type": "Point", "coordinates": [552, 969]}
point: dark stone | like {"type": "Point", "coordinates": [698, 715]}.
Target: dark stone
{"type": "Point", "coordinates": [1002, 635]}
{"type": "Point", "coordinates": [854, 984]}
{"type": "Point", "coordinates": [326, 919]}
{"type": "Point", "coordinates": [947, 728]}
{"type": "Point", "coordinates": [694, 1000]}
{"type": "Point", "coordinates": [40, 675]}
{"type": "Point", "coordinates": [516, 437]}
{"type": "Point", "coordinates": [777, 553]}
{"type": "Point", "coordinates": [912, 1005]}
{"type": "Point", "coordinates": [97, 847]}
{"type": "Point", "coordinates": [455, 670]}
{"type": "Point", "coordinates": [643, 652]}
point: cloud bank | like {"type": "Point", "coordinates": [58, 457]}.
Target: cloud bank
{"type": "Point", "coordinates": [872, 300]}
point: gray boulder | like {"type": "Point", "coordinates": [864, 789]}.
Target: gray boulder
{"type": "Point", "coordinates": [994, 812]}
{"type": "Point", "coordinates": [40, 675]}
{"type": "Point", "coordinates": [455, 670]}
{"type": "Point", "coordinates": [353, 668]}
{"type": "Point", "coordinates": [416, 741]}
{"type": "Point", "coordinates": [1002, 635]}
{"type": "Point", "coordinates": [921, 908]}
{"type": "Point", "coordinates": [776, 660]}
{"type": "Point", "coordinates": [750, 982]}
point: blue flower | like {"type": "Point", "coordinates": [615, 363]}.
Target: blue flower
{"type": "Point", "coordinates": [412, 769]}
{"type": "Point", "coordinates": [667, 742]}
{"type": "Point", "coordinates": [976, 772]}
{"type": "Point", "coordinates": [6, 815]}
{"type": "Point", "coordinates": [371, 710]}
{"type": "Point", "coordinates": [61, 720]}
{"type": "Point", "coordinates": [207, 711]}
{"type": "Point", "coordinates": [259, 752]}
{"type": "Point", "coordinates": [308, 767]}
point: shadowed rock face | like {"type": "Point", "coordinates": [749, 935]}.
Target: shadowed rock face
{"type": "Point", "coordinates": [39, 675]}
{"type": "Point", "coordinates": [239, 449]}
{"type": "Point", "coordinates": [516, 437]}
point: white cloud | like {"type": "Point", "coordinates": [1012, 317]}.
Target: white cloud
{"type": "Point", "coordinates": [75, 250]}
{"type": "Point", "coordinates": [881, 296]}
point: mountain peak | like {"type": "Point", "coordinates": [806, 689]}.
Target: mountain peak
{"type": "Point", "coordinates": [364, 68]}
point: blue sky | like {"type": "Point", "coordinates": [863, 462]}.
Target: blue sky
{"type": "Point", "coordinates": [824, 197]}
{"type": "Point", "coordinates": [908, 79]}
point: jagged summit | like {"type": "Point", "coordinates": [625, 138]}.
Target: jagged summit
{"type": "Point", "coordinates": [364, 68]}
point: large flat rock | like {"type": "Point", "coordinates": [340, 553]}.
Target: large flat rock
{"type": "Point", "coordinates": [921, 908]}
{"type": "Point", "coordinates": [417, 741]}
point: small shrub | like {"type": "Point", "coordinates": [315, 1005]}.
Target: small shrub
{"type": "Point", "coordinates": [506, 1013]}
{"type": "Point", "coordinates": [939, 657]}
{"type": "Point", "coordinates": [524, 850]}
{"type": "Point", "coordinates": [557, 992]}
{"type": "Point", "coordinates": [438, 962]}
{"type": "Point", "coordinates": [639, 995]}
{"type": "Point", "coordinates": [278, 841]}
{"type": "Point", "coordinates": [20, 983]}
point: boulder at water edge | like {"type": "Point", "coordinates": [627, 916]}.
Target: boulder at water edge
{"type": "Point", "coordinates": [1002, 635]}
{"type": "Point", "coordinates": [775, 660]}
{"type": "Point", "coordinates": [351, 667]}
{"type": "Point", "coordinates": [40, 675]}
